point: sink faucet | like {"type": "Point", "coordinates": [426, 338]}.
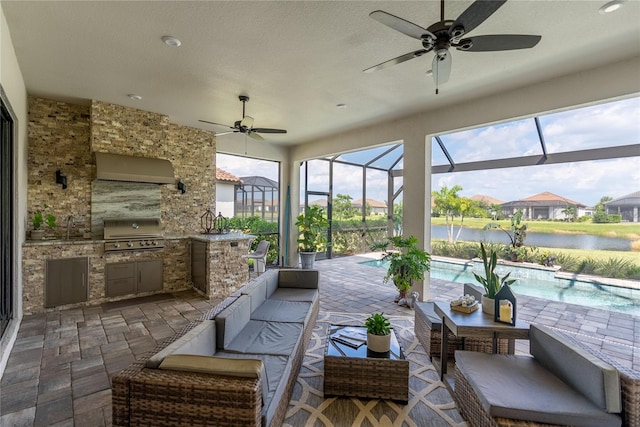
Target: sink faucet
{"type": "Point", "coordinates": [69, 225]}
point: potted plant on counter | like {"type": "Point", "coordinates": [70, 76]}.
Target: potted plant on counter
{"type": "Point", "coordinates": [312, 227]}
{"type": "Point", "coordinates": [40, 218]}
{"type": "Point", "coordinates": [378, 333]}
{"type": "Point", "coordinates": [407, 262]}
{"type": "Point", "coordinates": [491, 282]}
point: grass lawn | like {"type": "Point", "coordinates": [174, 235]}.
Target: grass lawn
{"type": "Point", "coordinates": [626, 230]}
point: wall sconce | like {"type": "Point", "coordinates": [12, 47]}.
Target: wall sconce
{"type": "Point", "coordinates": [61, 179]}
{"type": "Point", "coordinates": [182, 187]}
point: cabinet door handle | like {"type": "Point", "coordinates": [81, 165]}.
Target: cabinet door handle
{"type": "Point", "coordinates": [84, 282]}
{"type": "Point", "coordinates": [139, 277]}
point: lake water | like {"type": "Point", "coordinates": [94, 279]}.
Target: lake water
{"type": "Point", "coordinates": [572, 241]}
{"type": "Point", "coordinates": [577, 292]}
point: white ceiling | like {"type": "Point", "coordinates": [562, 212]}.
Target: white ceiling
{"type": "Point", "coordinates": [296, 59]}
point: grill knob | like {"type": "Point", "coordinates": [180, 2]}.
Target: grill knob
{"type": "Point", "coordinates": [154, 243]}
{"type": "Point", "coordinates": [116, 245]}
{"type": "Point", "coordinates": [130, 244]}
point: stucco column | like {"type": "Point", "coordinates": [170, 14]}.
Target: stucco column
{"type": "Point", "coordinates": [289, 176]}
{"type": "Point", "coordinates": [416, 212]}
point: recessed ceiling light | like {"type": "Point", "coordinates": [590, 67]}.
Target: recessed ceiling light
{"type": "Point", "coordinates": [171, 41]}
{"type": "Point", "coordinates": [611, 6]}
{"type": "Point", "coordinates": [134, 97]}
{"type": "Point", "coordinates": [341, 106]}
{"type": "Point", "coordinates": [429, 72]}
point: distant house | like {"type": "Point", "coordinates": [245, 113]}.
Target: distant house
{"type": "Point", "coordinates": [225, 192]}
{"type": "Point", "coordinates": [626, 206]}
{"type": "Point", "coordinates": [544, 206]}
{"type": "Point", "coordinates": [377, 207]}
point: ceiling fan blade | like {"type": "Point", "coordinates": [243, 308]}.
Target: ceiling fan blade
{"type": "Point", "coordinates": [441, 67]}
{"type": "Point", "coordinates": [405, 27]}
{"type": "Point", "coordinates": [225, 133]}
{"type": "Point", "coordinates": [400, 59]}
{"type": "Point", "coordinates": [255, 136]}
{"type": "Point", "coordinates": [491, 43]}
{"type": "Point", "coordinates": [247, 122]}
{"type": "Point", "coordinates": [476, 14]}
{"type": "Point", "coordinates": [217, 124]}
{"type": "Point", "coordinates": [267, 130]}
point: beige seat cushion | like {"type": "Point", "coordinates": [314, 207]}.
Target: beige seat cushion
{"type": "Point", "coordinates": [246, 368]}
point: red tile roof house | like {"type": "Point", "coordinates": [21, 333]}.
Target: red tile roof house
{"type": "Point", "coordinates": [544, 205]}
{"type": "Point", "coordinates": [226, 192]}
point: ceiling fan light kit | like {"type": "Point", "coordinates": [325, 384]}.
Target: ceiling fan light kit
{"type": "Point", "coordinates": [611, 6]}
{"type": "Point", "coordinates": [245, 125]}
{"type": "Point", "coordinates": [444, 34]}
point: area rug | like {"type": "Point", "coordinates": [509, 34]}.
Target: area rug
{"type": "Point", "coordinates": [430, 403]}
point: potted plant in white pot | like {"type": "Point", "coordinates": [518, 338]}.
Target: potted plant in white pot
{"type": "Point", "coordinates": [407, 262]}
{"type": "Point", "coordinates": [491, 282]}
{"type": "Point", "coordinates": [312, 237]}
{"type": "Point", "coordinates": [378, 333]}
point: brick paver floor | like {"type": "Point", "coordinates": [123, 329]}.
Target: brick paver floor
{"type": "Point", "coordinates": [59, 371]}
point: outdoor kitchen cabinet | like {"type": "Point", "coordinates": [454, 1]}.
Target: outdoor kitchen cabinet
{"type": "Point", "coordinates": [66, 281]}
{"type": "Point", "coordinates": [124, 278]}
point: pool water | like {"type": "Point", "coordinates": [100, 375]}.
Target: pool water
{"type": "Point", "coordinates": [587, 294]}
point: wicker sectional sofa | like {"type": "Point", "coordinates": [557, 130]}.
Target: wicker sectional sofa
{"type": "Point", "coordinates": [237, 368]}
{"type": "Point", "coordinates": [563, 382]}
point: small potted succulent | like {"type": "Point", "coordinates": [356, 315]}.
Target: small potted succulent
{"type": "Point", "coordinates": [378, 333]}
{"type": "Point", "coordinates": [40, 218]}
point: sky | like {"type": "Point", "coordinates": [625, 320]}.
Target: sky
{"type": "Point", "coordinates": [604, 125]}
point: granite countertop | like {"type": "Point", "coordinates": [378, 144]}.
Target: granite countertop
{"type": "Point", "coordinates": [80, 241]}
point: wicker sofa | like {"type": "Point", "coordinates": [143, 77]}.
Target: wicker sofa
{"type": "Point", "coordinates": [563, 382]}
{"type": "Point", "coordinates": [237, 368]}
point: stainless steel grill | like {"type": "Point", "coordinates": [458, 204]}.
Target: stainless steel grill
{"type": "Point", "coordinates": [122, 234]}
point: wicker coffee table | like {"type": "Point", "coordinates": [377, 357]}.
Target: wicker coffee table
{"type": "Point", "coordinates": [359, 372]}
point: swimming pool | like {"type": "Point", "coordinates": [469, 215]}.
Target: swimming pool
{"type": "Point", "coordinates": [588, 294]}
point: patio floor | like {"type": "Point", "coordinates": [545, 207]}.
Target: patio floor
{"type": "Point", "coordinates": [59, 370]}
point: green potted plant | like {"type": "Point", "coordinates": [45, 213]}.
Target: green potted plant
{"type": "Point", "coordinates": [517, 233]}
{"type": "Point", "coordinates": [378, 333]}
{"type": "Point", "coordinates": [312, 237]}
{"type": "Point", "coordinates": [407, 262]}
{"type": "Point", "coordinates": [40, 218]}
{"type": "Point", "coordinates": [491, 281]}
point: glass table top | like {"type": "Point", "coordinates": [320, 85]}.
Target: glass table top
{"type": "Point", "coordinates": [351, 341]}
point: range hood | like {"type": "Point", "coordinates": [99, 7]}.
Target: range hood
{"type": "Point", "coordinates": [118, 167]}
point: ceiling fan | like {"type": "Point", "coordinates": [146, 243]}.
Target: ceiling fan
{"type": "Point", "coordinates": [246, 124]}
{"type": "Point", "coordinates": [442, 35]}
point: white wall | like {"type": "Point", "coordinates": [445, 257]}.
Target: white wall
{"type": "Point", "coordinates": [16, 94]}
{"type": "Point", "coordinates": [225, 198]}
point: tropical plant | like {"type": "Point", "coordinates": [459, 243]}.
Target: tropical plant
{"type": "Point", "coordinates": [407, 262]}
{"type": "Point", "coordinates": [491, 282]}
{"type": "Point", "coordinates": [448, 202]}
{"type": "Point", "coordinates": [377, 324]}
{"type": "Point", "coordinates": [517, 233]}
{"type": "Point", "coordinates": [312, 225]}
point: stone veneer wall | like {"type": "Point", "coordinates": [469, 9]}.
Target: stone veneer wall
{"type": "Point", "coordinates": [123, 130]}
{"type": "Point", "coordinates": [64, 136]}
{"type": "Point", "coordinates": [227, 269]}
{"type": "Point", "coordinates": [58, 135]}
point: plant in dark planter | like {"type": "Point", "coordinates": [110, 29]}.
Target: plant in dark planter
{"type": "Point", "coordinates": [517, 233]}
{"type": "Point", "coordinates": [491, 282]}
{"type": "Point", "coordinates": [378, 333]}
{"type": "Point", "coordinates": [40, 218]}
{"type": "Point", "coordinates": [312, 237]}
{"type": "Point", "coordinates": [407, 262]}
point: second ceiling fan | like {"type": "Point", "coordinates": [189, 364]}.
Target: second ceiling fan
{"type": "Point", "coordinates": [245, 125]}
{"type": "Point", "coordinates": [442, 35]}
